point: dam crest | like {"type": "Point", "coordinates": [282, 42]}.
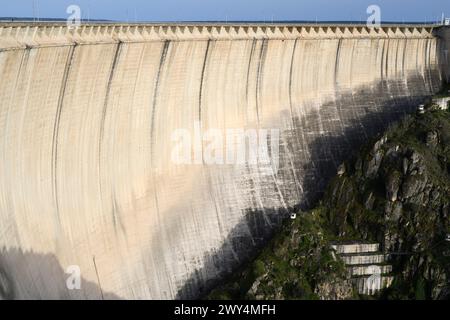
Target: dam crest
{"type": "Point", "coordinates": [17, 35]}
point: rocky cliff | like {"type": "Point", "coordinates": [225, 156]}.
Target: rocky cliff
{"type": "Point", "coordinates": [395, 191]}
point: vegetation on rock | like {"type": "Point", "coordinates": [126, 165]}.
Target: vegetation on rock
{"type": "Point", "coordinates": [296, 262]}
{"type": "Point", "coordinates": [395, 192]}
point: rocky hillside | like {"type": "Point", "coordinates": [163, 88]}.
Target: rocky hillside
{"type": "Point", "coordinates": [395, 192]}
{"type": "Point", "coordinates": [297, 264]}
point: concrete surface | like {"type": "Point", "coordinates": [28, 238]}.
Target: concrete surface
{"type": "Point", "coordinates": [86, 124]}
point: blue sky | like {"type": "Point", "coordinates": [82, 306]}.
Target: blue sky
{"type": "Point", "coordinates": [245, 10]}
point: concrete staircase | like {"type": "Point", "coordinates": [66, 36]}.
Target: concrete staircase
{"type": "Point", "coordinates": [366, 266]}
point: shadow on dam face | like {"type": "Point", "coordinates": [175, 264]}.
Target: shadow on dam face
{"type": "Point", "coordinates": [49, 279]}
{"type": "Point", "coordinates": [327, 152]}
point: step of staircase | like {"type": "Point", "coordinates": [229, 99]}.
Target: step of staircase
{"type": "Point", "coordinates": [363, 258]}
{"type": "Point", "coordinates": [356, 247]}
{"type": "Point", "coordinates": [369, 285]}
{"type": "Point", "coordinates": [366, 265]}
{"type": "Point", "coordinates": [369, 269]}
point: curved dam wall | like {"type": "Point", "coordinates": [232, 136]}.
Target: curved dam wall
{"type": "Point", "coordinates": [88, 123]}
{"type": "Point", "coordinates": [443, 34]}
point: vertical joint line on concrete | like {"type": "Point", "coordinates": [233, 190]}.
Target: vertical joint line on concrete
{"type": "Point", "coordinates": [336, 63]}
{"type": "Point", "coordinates": [162, 61]}
{"type": "Point", "coordinates": [108, 91]}
{"type": "Point", "coordinates": [396, 58]}
{"type": "Point", "coordinates": [103, 119]}
{"type": "Point", "coordinates": [290, 76]}
{"type": "Point", "coordinates": [56, 127]}
{"type": "Point", "coordinates": [291, 109]}
{"type": "Point", "coordinates": [430, 76]}
{"type": "Point", "coordinates": [382, 61]}
{"type": "Point", "coordinates": [404, 61]}
{"type": "Point", "coordinates": [386, 66]}
{"type": "Point", "coordinates": [258, 74]}
{"type": "Point", "coordinates": [205, 61]}
{"type": "Point", "coordinates": [98, 278]}
{"type": "Point", "coordinates": [252, 50]}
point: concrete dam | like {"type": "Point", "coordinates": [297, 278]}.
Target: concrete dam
{"type": "Point", "coordinates": [88, 181]}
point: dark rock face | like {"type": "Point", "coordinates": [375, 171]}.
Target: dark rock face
{"type": "Point", "coordinates": [398, 193]}
{"type": "Point", "coordinates": [395, 192]}
{"type": "Point", "coordinates": [432, 139]}
{"type": "Point", "coordinates": [393, 185]}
